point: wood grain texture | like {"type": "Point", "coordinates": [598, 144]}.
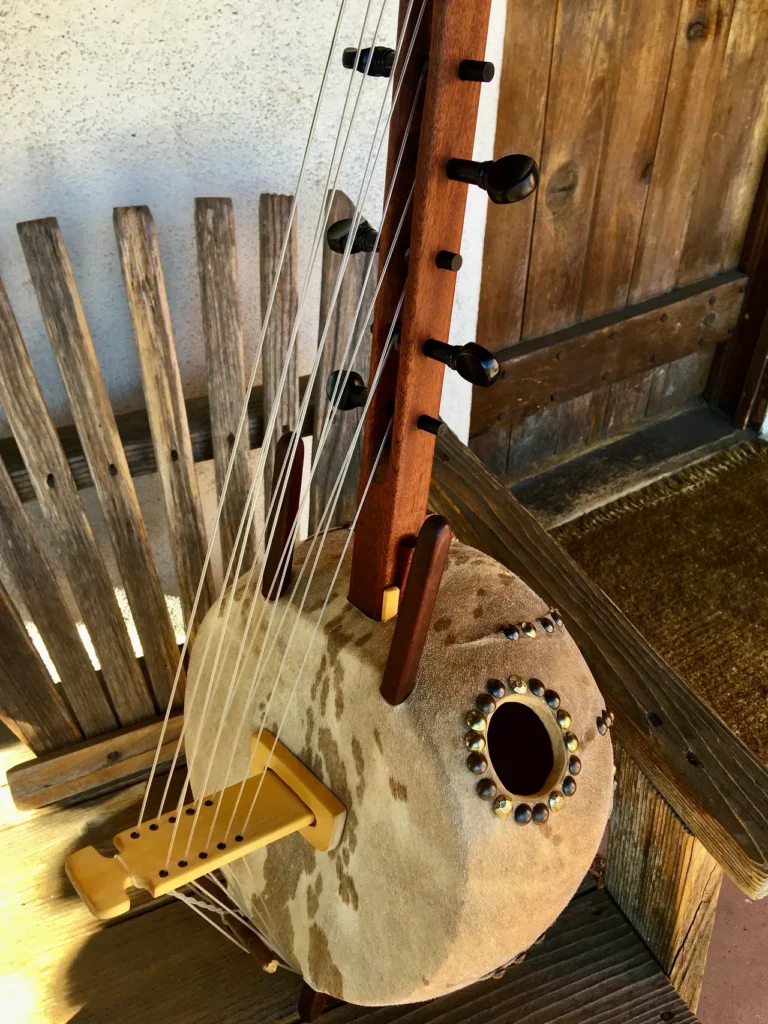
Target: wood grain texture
{"type": "Point", "coordinates": [700, 44]}
{"type": "Point", "coordinates": [274, 213]}
{"type": "Point", "coordinates": [735, 149]}
{"type": "Point", "coordinates": [716, 786]}
{"type": "Point", "coordinates": [36, 583]}
{"type": "Point", "coordinates": [619, 345]}
{"type": "Point", "coordinates": [65, 322]}
{"type": "Point", "coordinates": [394, 508]}
{"type": "Point", "coordinates": [345, 327]}
{"type": "Point", "coordinates": [223, 332]}
{"type": "Point", "coordinates": [30, 704]}
{"type": "Point", "coordinates": [91, 768]}
{"type": "Point", "coordinates": [151, 318]}
{"type": "Point", "coordinates": [578, 111]}
{"type": "Point", "coordinates": [662, 878]}
{"type": "Point", "coordinates": [523, 90]}
{"type": "Point", "coordinates": [76, 546]}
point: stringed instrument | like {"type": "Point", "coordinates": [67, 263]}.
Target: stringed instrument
{"type": "Point", "coordinates": [401, 764]}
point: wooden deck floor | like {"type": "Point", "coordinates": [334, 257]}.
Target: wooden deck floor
{"type": "Point", "coordinates": [165, 966]}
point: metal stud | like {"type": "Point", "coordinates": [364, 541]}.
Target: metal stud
{"type": "Point", "coordinates": [485, 703]}
{"type": "Point", "coordinates": [529, 629]}
{"type": "Point", "coordinates": [475, 742]}
{"type": "Point", "coordinates": [552, 699]}
{"type": "Point", "coordinates": [520, 957]}
{"type": "Point", "coordinates": [496, 688]}
{"type": "Point", "coordinates": [498, 975]}
{"type": "Point", "coordinates": [518, 685]}
{"type": "Point", "coordinates": [502, 806]}
{"type": "Point", "coordinates": [477, 764]}
{"type": "Point", "coordinates": [569, 786]}
{"type": "Point", "coordinates": [540, 814]}
{"type": "Point", "coordinates": [547, 625]}
{"type": "Point", "coordinates": [571, 742]}
{"type": "Point", "coordinates": [555, 800]}
{"type": "Point", "coordinates": [556, 617]}
{"type": "Point", "coordinates": [602, 726]}
{"type": "Point", "coordinates": [536, 687]}
{"type": "Point", "coordinates": [563, 719]}
{"type": "Point", "coordinates": [541, 939]}
{"type": "Point", "coordinates": [523, 814]}
{"type": "Point", "coordinates": [475, 721]}
{"type": "Point", "coordinates": [511, 632]}
{"type": "Point", "coordinates": [574, 765]}
{"type": "Point", "coordinates": [486, 789]}
{"type": "Point", "coordinates": [609, 717]}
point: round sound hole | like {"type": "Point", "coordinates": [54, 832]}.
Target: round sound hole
{"type": "Point", "coordinates": [520, 749]}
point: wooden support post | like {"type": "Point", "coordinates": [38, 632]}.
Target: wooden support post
{"type": "Point", "coordinates": [663, 879]}
{"type": "Point", "coordinates": [311, 1003]}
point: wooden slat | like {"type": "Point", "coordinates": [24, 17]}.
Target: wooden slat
{"type": "Point", "coordinates": [735, 149]}
{"type": "Point", "coordinates": [91, 768]}
{"type": "Point", "coordinates": [78, 553]}
{"type": "Point", "coordinates": [343, 330]}
{"type": "Point", "coordinates": [570, 362]}
{"type": "Point", "coordinates": [712, 781]}
{"type": "Point", "coordinates": [627, 160]}
{"type": "Point", "coordinates": [29, 704]}
{"type": "Point", "coordinates": [36, 583]}
{"type": "Point", "coordinates": [523, 89]}
{"type": "Point", "coordinates": [578, 109]}
{"type": "Point", "coordinates": [223, 331]}
{"type": "Point", "coordinates": [64, 317]}
{"type": "Point", "coordinates": [274, 211]}
{"type": "Point", "coordinates": [662, 878]}
{"type": "Point", "coordinates": [148, 304]}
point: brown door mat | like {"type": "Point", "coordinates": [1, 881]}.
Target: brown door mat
{"type": "Point", "coordinates": [686, 559]}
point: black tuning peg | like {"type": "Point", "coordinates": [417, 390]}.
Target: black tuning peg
{"type": "Point", "coordinates": [472, 362]}
{"type": "Point", "coordinates": [507, 180]}
{"type": "Point", "coordinates": [378, 64]}
{"type": "Point", "coordinates": [476, 71]}
{"type": "Point", "coordinates": [350, 393]}
{"type": "Point", "coordinates": [365, 240]}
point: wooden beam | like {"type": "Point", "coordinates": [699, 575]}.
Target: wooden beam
{"type": "Point", "coordinates": [662, 878]}
{"type": "Point", "coordinates": [93, 767]}
{"type": "Point", "coordinates": [556, 367]}
{"type": "Point", "coordinates": [133, 428]}
{"type": "Point", "coordinates": [712, 781]}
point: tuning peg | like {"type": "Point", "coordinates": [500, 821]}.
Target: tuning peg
{"type": "Point", "coordinates": [472, 362]}
{"type": "Point", "coordinates": [352, 392]}
{"type": "Point", "coordinates": [365, 240]}
{"type": "Point", "coordinates": [507, 180]}
{"type": "Point", "coordinates": [376, 65]}
{"type": "Point", "coordinates": [476, 71]}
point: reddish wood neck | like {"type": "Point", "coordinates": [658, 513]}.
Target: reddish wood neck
{"type": "Point", "coordinates": [411, 385]}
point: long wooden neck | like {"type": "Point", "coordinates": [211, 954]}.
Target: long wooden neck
{"type": "Point", "coordinates": [411, 385]}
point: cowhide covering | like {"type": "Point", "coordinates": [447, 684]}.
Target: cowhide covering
{"type": "Point", "coordinates": [428, 890]}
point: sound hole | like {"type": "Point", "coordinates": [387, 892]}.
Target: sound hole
{"type": "Point", "coordinates": [520, 749]}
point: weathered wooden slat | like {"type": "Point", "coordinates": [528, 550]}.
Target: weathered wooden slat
{"type": "Point", "coordinates": [136, 439]}
{"type": "Point", "coordinates": [79, 555]}
{"type": "Point", "coordinates": [274, 211]}
{"type": "Point", "coordinates": [64, 317]}
{"type": "Point", "coordinates": [343, 330]}
{"type": "Point", "coordinates": [29, 703]}
{"type": "Point", "coordinates": [735, 149]}
{"type": "Point", "coordinates": [713, 782]}
{"type": "Point", "coordinates": [148, 304]}
{"type": "Point", "coordinates": [523, 90]}
{"type": "Point", "coordinates": [36, 583]}
{"type": "Point", "coordinates": [223, 331]}
{"type": "Point", "coordinates": [578, 109]}
{"type": "Point", "coordinates": [662, 878]}
{"type": "Point", "coordinates": [570, 362]}
{"type": "Point", "coordinates": [93, 767]}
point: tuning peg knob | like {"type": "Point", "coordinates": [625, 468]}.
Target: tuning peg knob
{"type": "Point", "coordinates": [352, 392]}
{"type": "Point", "coordinates": [378, 64]}
{"type": "Point", "coordinates": [472, 362]}
{"type": "Point", "coordinates": [365, 240]}
{"type": "Point", "coordinates": [507, 180]}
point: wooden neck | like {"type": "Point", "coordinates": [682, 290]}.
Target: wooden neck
{"type": "Point", "coordinates": [411, 384]}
